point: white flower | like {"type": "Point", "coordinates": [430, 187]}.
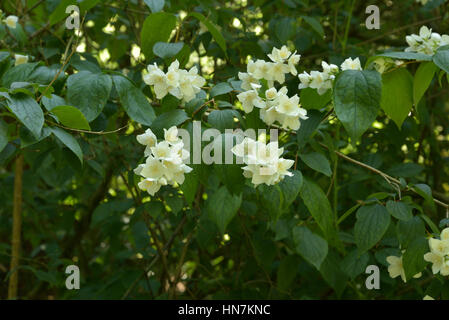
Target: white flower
{"type": "Point", "coordinates": [350, 64]}
{"type": "Point", "coordinates": [439, 253]}
{"type": "Point", "coordinates": [20, 59]}
{"type": "Point", "coordinates": [249, 100]}
{"type": "Point", "coordinates": [271, 93]}
{"type": "Point", "coordinates": [165, 161]}
{"type": "Point", "coordinates": [147, 139]}
{"type": "Point", "coordinates": [288, 106]}
{"type": "Point", "coordinates": [436, 260]}
{"type": "Point", "coordinates": [247, 80]}
{"type": "Point", "coordinates": [440, 247]}
{"type": "Point", "coordinates": [149, 186]}
{"type": "Point", "coordinates": [279, 55]}
{"type": "Point", "coordinates": [305, 79]}
{"type": "Point", "coordinates": [292, 61]}
{"type": "Point", "coordinates": [396, 268]}
{"type": "Point", "coordinates": [171, 135]}
{"type": "Point", "coordinates": [427, 42]}
{"type": "Point", "coordinates": [427, 297]}
{"type": "Point", "coordinates": [11, 21]}
{"type": "Point", "coordinates": [263, 162]}
{"type": "Point", "coordinates": [180, 83]}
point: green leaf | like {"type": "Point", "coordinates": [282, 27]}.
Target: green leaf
{"type": "Point", "coordinates": [18, 73]}
{"type": "Point", "coordinates": [53, 101]}
{"type": "Point", "coordinates": [310, 246]}
{"type": "Point", "coordinates": [413, 259]}
{"type": "Point", "coordinates": [409, 230]}
{"type": "Point", "coordinates": [357, 97]}
{"type": "Point", "coordinates": [222, 119]}
{"type": "Point", "coordinates": [190, 185]}
{"type": "Point", "coordinates": [28, 112]}
{"type": "Point", "coordinates": [319, 207]}
{"type": "Point", "coordinates": [308, 127]}
{"type": "Point", "coordinates": [157, 27]}
{"type": "Point", "coordinates": [69, 141]}
{"type": "Point", "coordinates": [220, 88]}
{"type": "Point", "coordinates": [426, 192]}
{"type": "Point", "coordinates": [372, 223]}
{"type": "Point", "coordinates": [406, 56]}
{"type": "Point", "coordinates": [421, 81]}
{"type": "Point", "coordinates": [3, 135]}
{"type": "Point", "coordinates": [212, 29]}
{"type": "Point", "coordinates": [71, 117]}
{"type": "Point", "coordinates": [272, 200]}
{"type": "Point", "coordinates": [315, 24]}
{"type": "Point", "coordinates": [169, 119]}
{"type": "Point", "coordinates": [166, 50]}
{"type": "Point", "coordinates": [287, 271]}
{"type": "Point", "coordinates": [397, 94]}
{"type": "Point", "coordinates": [88, 92]}
{"type": "Point", "coordinates": [155, 5]}
{"type": "Point", "coordinates": [332, 274]}
{"type": "Point", "coordinates": [399, 210]}
{"type": "Point", "coordinates": [290, 187]}
{"type": "Point", "coordinates": [317, 162]}
{"type": "Point", "coordinates": [222, 207]}
{"type": "Point", "coordinates": [441, 59]}
{"type": "Point", "coordinates": [310, 99]}
{"type": "Point", "coordinates": [354, 264]}
{"type": "Point", "coordinates": [284, 29]}
{"type": "Point", "coordinates": [134, 101]}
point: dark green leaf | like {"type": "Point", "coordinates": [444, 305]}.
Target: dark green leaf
{"type": "Point", "coordinates": [157, 27]}
{"type": "Point", "coordinates": [88, 92]}
{"type": "Point", "coordinates": [319, 207]}
{"type": "Point", "coordinates": [357, 97]}
{"type": "Point", "coordinates": [400, 210]}
{"type": "Point", "coordinates": [166, 50]}
{"type": "Point", "coordinates": [413, 259]}
{"type": "Point", "coordinates": [134, 101]}
{"type": "Point", "coordinates": [155, 5]}
{"type": "Point", "coordinates": [212, 29]}
{"type": "Point", "coordinates": [397, 95]}
{"type": "Point", "coordinates": [69, 141]}
{"type": "Point", "coordinates": [317, 162]}
{"type": "Point", "coordinates": [28, 112]}
{"type": "Point", "coordinates": [222, 207]}
{"type": "Point", "coordinates": [310, 246]}
{"type": "Point", "coordinates": [372, 223]}
{"type": "Point", "coordinates": [422, 80]}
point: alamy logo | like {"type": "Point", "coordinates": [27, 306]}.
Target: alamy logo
{"type": "Point", "coordinates": [73, 280]}
{"type": "Point", "coordinates": [373, 280]}
{"type": "Point", "coordinates": [73, 20]}
{"type": "Point", "coordinates": [373, 20]}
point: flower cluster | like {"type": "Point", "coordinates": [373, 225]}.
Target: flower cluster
{"type": "Point", "coordinates": [180, 83]}
{"type": "Point", "coordinates": [439, 253]}
{"type": "Point", "coordinates": [165, 161]}
{"type": "Point", "coordinates": [396, 268]}
{"type": "Point", "coordinates": [263, 161]}
{"type": "Point", "coordinates": [282, 62]}
{"type": "Point", "coordinates": [322, 81]}
{"type": "Point", "coordinates": [275, 105]}
{"type": "Point", "coordinates": [427, 42]}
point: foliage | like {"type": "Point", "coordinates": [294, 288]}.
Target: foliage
{"type": "Point", "coordinates": [371, 165]}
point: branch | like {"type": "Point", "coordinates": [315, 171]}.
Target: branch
{"type": "Point", "coordinates": [383, 174]}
